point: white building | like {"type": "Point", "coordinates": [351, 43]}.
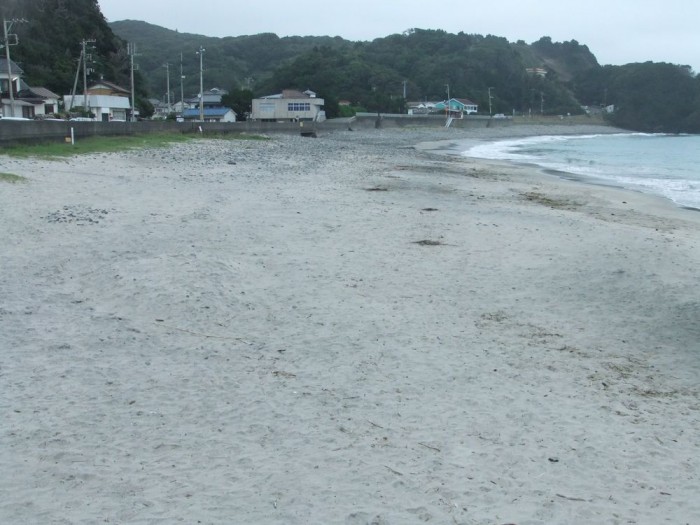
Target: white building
{"type": "Point", "coordinates": [26, 102]}
{"type": "Point", "coordinates": [6, 106]}
{"type": "Point", "coordinates": [220, 114]}
{"type": "Point", "coordinates": [105, 107]}
{"type": "Point", "coordinates": [289, 106]}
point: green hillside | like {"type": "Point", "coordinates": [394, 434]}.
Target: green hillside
{"type": "Point", "coordinates": [381, 75]}
{"type": "Point", "coordinates": [370, 74]}
{"type": "Point", "coordinates": [231, 62]}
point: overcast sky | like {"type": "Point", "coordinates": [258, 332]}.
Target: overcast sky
{"type": "Point", "coordinates": [616, 31]}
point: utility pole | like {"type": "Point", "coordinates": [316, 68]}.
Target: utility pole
{"type": "Point", "coordinates": [131, 47]}
{"type": "Point", "coordinates": [542, 102]}
{"type": "Point", "coordinates": [9, 39]}
{"type": "Point", "coordinates": [201, 83]}
{"type": "Point", "coordinates": [167, 81]}
{"type": "Point", "coordinates": [490, 98]}
{"type": "Point", "coordinates": [85, 101]}
{"type": "Point", "coordinates": [447, 106]}
{"type": "Point", "coordinates": [404, 89]}
{"type": "Point", "coordinates": [86, 57]}
{"type": "Point", "coordinates": [75, 83]}
{"type": "Point", "coordinates": [182, 89]}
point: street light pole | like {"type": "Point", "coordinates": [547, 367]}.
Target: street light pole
{"type": "Point", "coordinates": [201, 83]}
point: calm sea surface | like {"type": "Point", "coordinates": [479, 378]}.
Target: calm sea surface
{"type": "Point", "coordinates": [666, 165]}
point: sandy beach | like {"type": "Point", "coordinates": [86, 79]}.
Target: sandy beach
{"type": "Point", "coordinates": [362, 328]}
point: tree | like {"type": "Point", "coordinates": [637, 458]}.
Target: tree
{"type": "Point", "coordinates": [240, 100]}
{"type": "Point", "coordinates": [50, 42]}
{"type": "Point", "coordinates": [653, 97]}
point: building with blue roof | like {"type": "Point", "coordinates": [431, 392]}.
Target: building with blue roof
{"type": "Point", "coordinates": [213, 108]}
{"type": "Point", "coordinates": [220, 114]}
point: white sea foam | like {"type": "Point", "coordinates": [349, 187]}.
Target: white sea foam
{"type": "Point", "coordinates": [660, 164]}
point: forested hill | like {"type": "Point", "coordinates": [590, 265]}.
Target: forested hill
{"type": "Point", "coordinates": [251, 60]}
{"type": "Point", "coordinates": [382, 75]}
{"type": "Point", "coordinates": [49, 40]}
{"type": "Point", "coordinates": [423, 64]}
{"type": "Point", "coordinates": [230, 62]}
{"type": "Point", "coordinates": [370, 74]}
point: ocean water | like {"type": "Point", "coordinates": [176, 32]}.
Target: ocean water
{"type": "Point", "coordinates": [665, 165]}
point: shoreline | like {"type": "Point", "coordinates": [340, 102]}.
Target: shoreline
{"type": "Point", "coordinates": [352, 329]}
{"type": "Point", "coordinates": [458, 148]}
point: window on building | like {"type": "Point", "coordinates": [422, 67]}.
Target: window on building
{"type": "Point", "coordinates": [296, 107]}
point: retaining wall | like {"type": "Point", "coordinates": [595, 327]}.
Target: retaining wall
{"type": "Point", "coordinates": [58, 130]}
{"type": "Point", "coordinates": [382, 120]}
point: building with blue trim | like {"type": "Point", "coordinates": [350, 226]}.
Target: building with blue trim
{"type": "Point", "coordinates": [211, 114]}
{"type": "Point", "coordinates": [213, 108]}
{"type": "Point", "coordinates": [458, 107]}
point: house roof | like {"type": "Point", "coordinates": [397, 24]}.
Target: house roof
{"type": "Point", "coordinates": [292, 93]}
{"type": "Point", "coordinates": [211, 96]}
{"type": "Point", "coordinates": [465, 101]}
{"type": "Point", "coordinates": [18, 102]}
{"type": "Point", "coordinates": [455, 102]}
{"type": "Point", "coordinates": [208, 112]}
{"type": "Point", "coordinates": [109, 85]}
{"type": "Point", "coordinates": [15, 68]}
{"type": "Point", "coordinates": [43, 92]}
{"type": "Point", "coordinates": [208, 99]}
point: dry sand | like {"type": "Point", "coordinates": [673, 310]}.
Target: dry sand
{"type": "Point", "coordinates": [348, 330]}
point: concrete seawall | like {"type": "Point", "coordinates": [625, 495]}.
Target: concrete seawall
{"type": "Point", "coordinates": [385, 120]}
{"type": "Point", "coordinates": [13, 131]}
